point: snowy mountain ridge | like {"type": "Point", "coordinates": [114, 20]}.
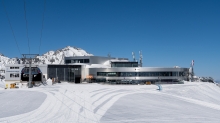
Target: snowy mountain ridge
{"type": "Point", "coordinates": [50, 57]}
{"type": "Point", "coordinates": [4, 60]}
{"type": "Point", "coordinates": [57, 57]}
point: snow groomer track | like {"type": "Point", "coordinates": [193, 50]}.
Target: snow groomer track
{"type": "Point", "coordinates": [96, 103]}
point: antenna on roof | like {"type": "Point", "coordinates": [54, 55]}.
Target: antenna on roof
{"type": "Point", "coordinates": [133, 55]}
{"type": "Point", "coordinates": [191, 71]}
{"type": "Point", "coordinates": [141, 58]}
{"type": "Point", "coordinates": [109, 55]}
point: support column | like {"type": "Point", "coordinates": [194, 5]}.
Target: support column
{"type": "Point", "coordinates": [30, 75]}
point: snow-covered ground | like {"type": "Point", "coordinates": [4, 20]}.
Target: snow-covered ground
{"type": "Point", "coordinates": [2, 84]}
{"type": "Point", "coordinates": [95, 103]}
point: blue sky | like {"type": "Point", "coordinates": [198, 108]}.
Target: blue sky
{"type": "Point", "coordinates": [168, 32]}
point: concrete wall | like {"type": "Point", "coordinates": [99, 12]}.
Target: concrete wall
{"type": "Point", "coordinates": [43, 69]}
{"type": "Point", "coordinates": [9, 71]}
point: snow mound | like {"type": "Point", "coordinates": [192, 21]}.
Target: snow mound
{"type": "Point", "coordinates": [49, 82]}
{"type": "Point", "coordinates": [3, 61]}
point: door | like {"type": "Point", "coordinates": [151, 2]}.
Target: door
{"type": "Point", "coordinates": [71, 75]}
{"type": "Point", "coordinates": [77, 79]}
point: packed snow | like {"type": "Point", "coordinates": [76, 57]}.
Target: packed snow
{"type": "Point", "coordinates": [2, 84]}
{"type": "Point", "coordinates": [20, 102]}
{"type": "Point", "coordinates": [93, 103]}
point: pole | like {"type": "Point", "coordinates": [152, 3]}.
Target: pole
{"type": "Point", "coordinates": [192, 73]}
{"type": "Point", "coordinates": [30, 57]}
{"type": "Point", "coordinates": [30, 75]}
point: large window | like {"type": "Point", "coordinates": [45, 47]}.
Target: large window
{"type": "Point", "coordinates": [77, 61]}
{"type": "Point", "coordinates": [86, 60]}
{"type": "Point", "coordinates": [141, 74]}
{"type": "Point", "coordinates": [181, 74]}
{"type": "Point", "coordinates": [111, 74]}
{"type": "Point", "coordinates": [68, 61]}
{"type": "Point", "coordinates": [100, 79]}
{"type": "Point", "coordinates": [14, 67]}
{"type": "Point", "coordinates": [174, 73]}
{"type": "Point", "coordinates": [14, 75]}
{"type": "Point", "coordinates": [124, 64]}
{"type": "Point", "coordinates": [101, 73]}
{"type": "Point", "coordinates": [129, 74]}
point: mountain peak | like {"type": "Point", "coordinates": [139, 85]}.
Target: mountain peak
{"type": "Point", "coordinates": [57, 57]}
{"type": "Point", "coordinates": [50, 57]}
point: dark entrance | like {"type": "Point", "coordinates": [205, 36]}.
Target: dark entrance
{"type": "Point", "coordinates": [77, 79]}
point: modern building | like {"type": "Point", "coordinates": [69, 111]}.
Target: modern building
{"type": "Point", "coordinates": [20, 72]}
{"type": "Point", "coordinates": [121, 70]}
{"type": "Point", "coordinates": [99, 69]}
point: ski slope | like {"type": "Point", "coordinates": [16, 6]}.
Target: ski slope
{"type": "Point", "coordinates": [97, 103]}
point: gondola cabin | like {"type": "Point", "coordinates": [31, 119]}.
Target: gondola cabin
{"type": "Point", "coordinates": [36, 74]}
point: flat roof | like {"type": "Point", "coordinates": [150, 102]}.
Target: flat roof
{"type": "Point", "coordinates": [81, 57]}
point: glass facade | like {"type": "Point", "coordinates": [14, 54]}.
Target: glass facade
{"type": "Point", "coordinates": [101, 73]}
{"type": "Point", "coordinates": [77, 61]}
{"type": "Point", "coordinates": [124, 64]}
{"type": "Point", "coordinates": [101, 80]}
{"type": "Point", "coordinates": [126, 81]}
{"type": "Point", "coordinates": [64, 72]}
{"type": "Point", "coordinates": [139, 74]}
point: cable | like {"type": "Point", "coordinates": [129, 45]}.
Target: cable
{"type": "Point", "coordinates": [11, 27]}
{"type": "Point", "coordinates": [26, 25]}
{"type": "Point", "coordinates": [42, 24]}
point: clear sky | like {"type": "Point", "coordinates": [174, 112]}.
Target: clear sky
{"type": "Point", "coordinates": [168, 32]}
